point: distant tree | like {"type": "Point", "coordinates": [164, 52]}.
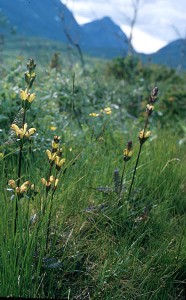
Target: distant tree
{"type": "Point", "coordinates": [71, 40]}
{"type": "Point", "coordinates": [131, 20]}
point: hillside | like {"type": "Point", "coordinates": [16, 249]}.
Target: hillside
{"type": "Point", "coordinates": [99, 38]}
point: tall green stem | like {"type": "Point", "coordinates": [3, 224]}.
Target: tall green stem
{"type": "Point", "coordinates": [137, 160]}
{"type": "Point", "coordinates": [49, 219]}
{"type": "Point", "coordinates": [19, 174]}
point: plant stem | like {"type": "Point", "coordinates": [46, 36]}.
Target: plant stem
{"type": "Point", "coordinates": [19, 174]}
{"type": "Point", "coordinates": [121, 183]}
{"type": "Point", "coordinates": [135, 168]}
{"type": "Point", "coordinates": [137, 160]}
{"type": "Point", "coordinates": [49, 219]}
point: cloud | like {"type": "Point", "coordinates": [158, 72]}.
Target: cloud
{"type": "Point", "coordinates": [158, 21]}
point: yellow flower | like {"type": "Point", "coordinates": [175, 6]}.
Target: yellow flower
{"type": "Point", "coordinates": [25, 96]}
{"type": "Point", "coordinates": [23, 132]}
{"type": "Point", "coordinates": [144, 136]}
{"type": "Point", "coordinates": [55, 145]}
{"type": "Point", "coordinates": [53, 128]}
{"type": "Point", "coordinates": [94, 115]}
{"type": "Point", "coordinates": [11, 182]}
{"type": "Point", "coordinates": [127, 154]}
{"type": "Point", "coordinates": [48, 183]}
{"type": "Point", "coordinates": [55, 142]}
{"type": "Point", "coordinates": [51, 156]}
{"type": "Point", "coordinates": [150, 109]}
{"type": "Point", "coordinates": [1, 155]}
{"type": "Point", "coordinates": [24, 187]}
{"type": "Point", "coordinates": [107, 110]}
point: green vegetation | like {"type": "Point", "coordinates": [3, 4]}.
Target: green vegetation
{"type": "Point", "coordinates": [74, 224]}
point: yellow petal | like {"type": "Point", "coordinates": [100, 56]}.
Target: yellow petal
{"type": "Point", "coordinates": [147, 134]}
{"type": "Point", "coordinates": [141, 134]}
{"type": "Point", "coordinates": [57, 160]}
{"type": "Point", "coordinates": [53, 128]}
{"type": "Point", "coordinates": [23, 95]}
{"type": "Point", "coordinates": [31, 97]}
{"type": "Point", "coordinates": [61, 162]}
{"type": "Point", "coordinates": [43, 180]}
{"type": "Point", "coordinates": [56, 182]}
{"type": "Point", "coordinates": [25, 128]}
{"type": "Point", "coordinates": [55, 145]}
{"type": "Point", "coordinates": [15, 128]}
{"type": "Point", "coordinates": [94, 115]}
{"type": "Point", "coordinates": [30, 132]}
{"type": "Point", "coordinates": [24, 187]}
{"type": "Point", "coordinates": [52, 179]}
{"type": "Point", "coordinates": [48, 152]}
{"type": "Point", "coordinates": [11, 182]}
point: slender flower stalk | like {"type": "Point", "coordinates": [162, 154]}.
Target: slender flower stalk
{"type": "Point", "coordinates": [56, 161]}
{"type": "Point", "coordinates": [23, 133]}
{"type": "Point", "coordinates": [144, 135]}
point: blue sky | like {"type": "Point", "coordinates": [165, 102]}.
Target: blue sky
{"type": "Point", "coordinates": [159, 21]}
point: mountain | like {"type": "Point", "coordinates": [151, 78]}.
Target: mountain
{"type": "Point", "coordinates": [40, 18]}
{"type": "Point", "coordinates": [53, 20]}
{"type": "Point", "coordinates": [172, 55]}
{"type": "Point", "coordinates": [100, 35]}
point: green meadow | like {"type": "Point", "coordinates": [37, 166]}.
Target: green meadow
{"type": "Point", "coordinates": [93, 176]}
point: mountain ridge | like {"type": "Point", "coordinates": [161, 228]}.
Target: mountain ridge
{"type": "Point", "coordinates": [56, 21]}
{"type": "Point", "coordinates": [100, 38]}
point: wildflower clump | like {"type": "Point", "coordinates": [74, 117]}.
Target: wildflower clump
{"type": "Point", "coordinates": [105, 111]}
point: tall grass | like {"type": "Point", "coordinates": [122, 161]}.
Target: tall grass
{"type": "Point", "coordinates": [85, 246]}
